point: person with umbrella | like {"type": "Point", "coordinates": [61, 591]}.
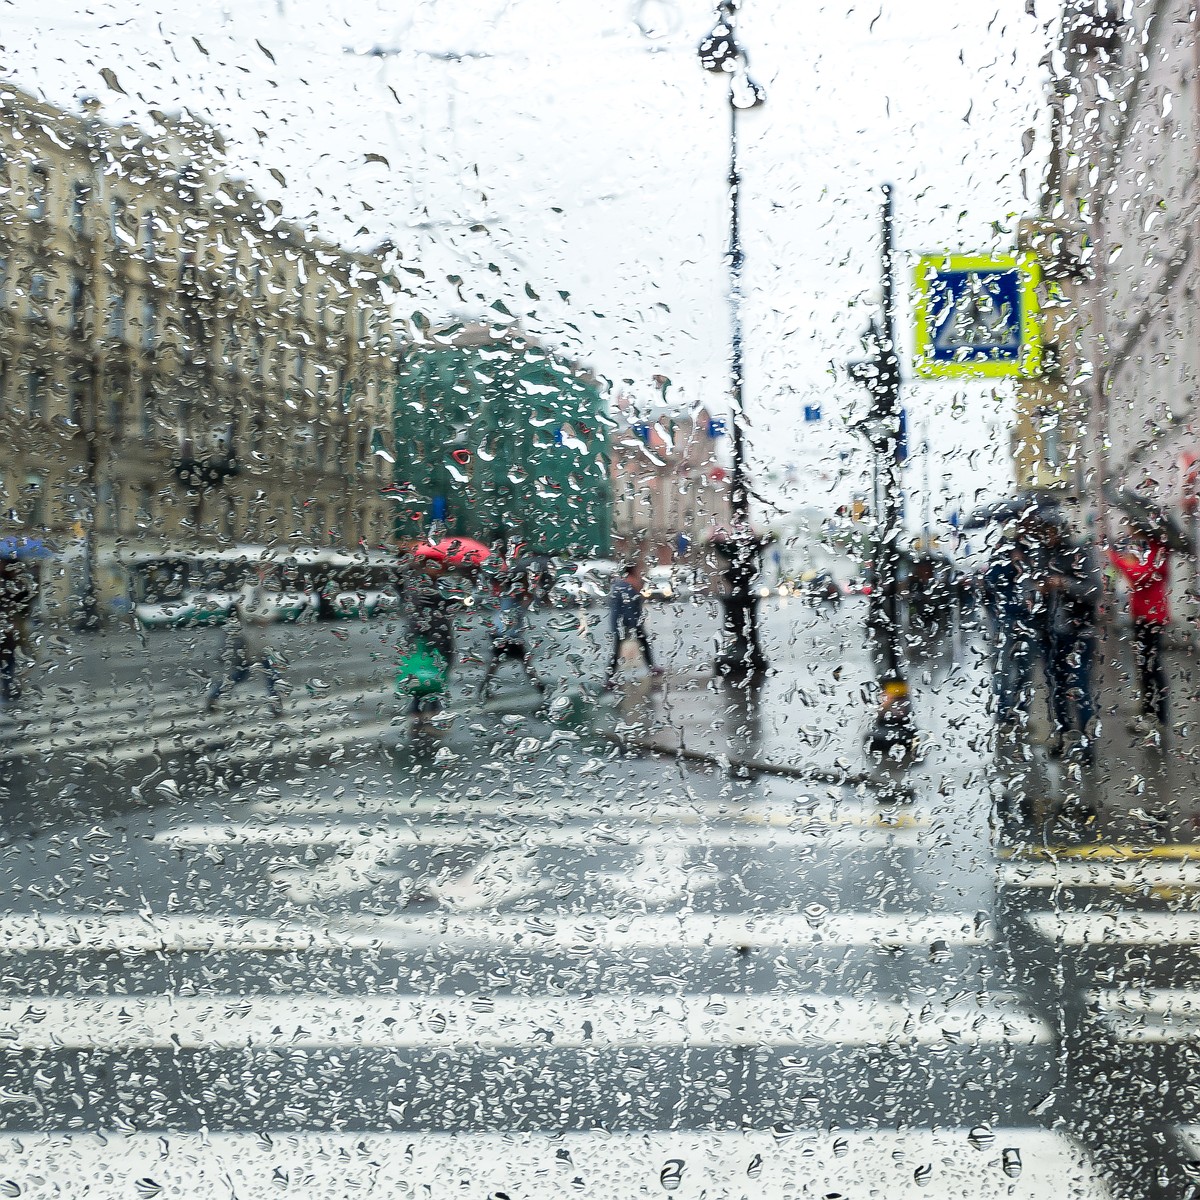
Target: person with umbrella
{"type": "Point", "coordinates": [429, 626]}
{"type": "Point", "coordinates": [1007, 587]}
{"type": "Point", "coordinates": [1147, 572]}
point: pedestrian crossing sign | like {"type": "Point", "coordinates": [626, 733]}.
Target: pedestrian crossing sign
{"type": "Point", "coordinates": [977, 316]}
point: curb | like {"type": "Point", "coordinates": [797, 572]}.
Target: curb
{"type": "Point", "coordinates": [755, 766]}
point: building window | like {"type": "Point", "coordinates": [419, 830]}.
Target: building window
{"type": "Point", "coordinates": [78, 304]}
{"type": "Point", "coordinates": [148, 248]}
{"type": "Point", "coordinates": [145, 505]}
{"type": "Point", "coordinates": [39, 295]}
{"type": "Point", "coordinates": [149, 324]}
{"type": "Point", "coordinates": [116, 316]}
{"type": "Point", "coordinates": [147, 413]}
{"type": "Point", "coordinates": [116, 414]}
{"type": "Point", "coordinates": [117, 220]}
{"type": "Point", "coordinates": [35, 500]}
{"type": "Point", "coordinates": [35, 383]}
{"type": "Point", "coordinates": [78, 404]}
{"type": "Point", "coordinates": [39, 184]}
{"type": "Point", "coordinates": [79, 199]}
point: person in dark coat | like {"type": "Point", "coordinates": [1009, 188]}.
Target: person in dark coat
{"type": "Point", "coordinates": [16, 605]}
{"type": "Point", "coordinates": [1007, 585]}
{"type": "Point", "coordinates": [627, 619]}
{"type": "Point", "coordinates": [429, 618]}
{"type": "Point", "coordinates": [1069, 587]}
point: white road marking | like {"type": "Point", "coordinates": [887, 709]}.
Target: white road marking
{"type": "Point", "coordinates": [1120, 875]}
{"type": "Point", "coordinates": [1016, 1164]}
{"type": "Point", "coordinates": [1150, 1014]}
{"type": "Point", "coordinates": [1117, 928]}
{"type": "Point", "coordinates": [796, 814]}
{"type": "Point", "coordinates": [143, 732]}
{"type": "Point", "coordinates": [423, 1022]}
{"type": "Point", "coordinates": [573, 836]}
{"type": "Point", "coordinates": [131, 933]}
{"type": "Point", "coordinates": [278, 739]}
{"type": "Point", "coordinates": [661, 876]}
{"type": "Point", "coordinates": [499, 877]}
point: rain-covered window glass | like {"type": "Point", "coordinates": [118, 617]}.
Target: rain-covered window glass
{"type": "Point", "coordinates": [600, 599]}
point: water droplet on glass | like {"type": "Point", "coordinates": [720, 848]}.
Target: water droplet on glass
{"type": "Point", "coordinates": [754, 1170]}
{"type": "Point", "coordinates": [981, 1137]}
{"type": "Point", "coordinates": [671, 1176]}
{"type": "Point", "coordinates": [1010, 1160]}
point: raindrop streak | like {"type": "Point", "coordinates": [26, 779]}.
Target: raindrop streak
{"type": "Point", "coordinates": [671, 1176]}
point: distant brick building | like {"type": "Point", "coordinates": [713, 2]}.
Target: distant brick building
{"type": "Point", "coordinates": [670, 488]}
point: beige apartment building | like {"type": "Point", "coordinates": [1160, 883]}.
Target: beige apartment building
{"type": "Point", "coordinates": [178, 367]}
{"type": "Point", "coordinates": [1118, 226]}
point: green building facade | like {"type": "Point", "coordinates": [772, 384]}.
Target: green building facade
{"type": "Point", "coordinates": [496, 436]}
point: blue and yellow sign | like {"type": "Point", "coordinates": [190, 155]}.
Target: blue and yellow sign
{"type": "Point", "coordinates": [977, 316]}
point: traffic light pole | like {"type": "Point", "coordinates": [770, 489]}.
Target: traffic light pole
{"type": "Point", "coordinates": [893, 734]}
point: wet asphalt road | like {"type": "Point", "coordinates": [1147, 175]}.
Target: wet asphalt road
{"type": "Point", "coordinates": [319, 929]}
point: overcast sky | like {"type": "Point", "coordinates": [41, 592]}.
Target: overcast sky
{"type": "Point", "coordinates": [592, 149]}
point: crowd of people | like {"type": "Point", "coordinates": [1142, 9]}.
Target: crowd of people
{"type": "Point", "coordinates": [1043, 593]}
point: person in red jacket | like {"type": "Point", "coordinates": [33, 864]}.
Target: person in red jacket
{"type": "Point", "coordinates": [1147, 573]}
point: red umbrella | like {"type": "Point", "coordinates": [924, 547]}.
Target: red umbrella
{"type": "Point", "coordinates": [454, 551]}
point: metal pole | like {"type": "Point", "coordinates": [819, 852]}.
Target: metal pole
{"type": "Point", "coordinates": [743, 653]}
{"type": "Point", "coordinates": [893, 731]}
{"type": "Point", "coordinates": [739, 501]}
{"type": "Point", "coordinates": [887, 563]}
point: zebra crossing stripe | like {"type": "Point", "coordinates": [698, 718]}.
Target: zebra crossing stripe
{"type": "Point", "coordinates": [78, 730]}
{"type": "Point", "coordinates": [1122, 874]}
{"type": "Point", "coordinates": [572, 836]}
{"type": "Point", "coordinates": [942, 1164]}
{"type": "Point", "coordinates": [780, 814]}
{"type": "Point", "coordinates": [1150, 1015]}
{"type": "Point", "coordinates": [1117, 928]}
{"type": "Point", "coordinates": [132, 933]}
{"type": "Point", "coordinates": [441, 1022]}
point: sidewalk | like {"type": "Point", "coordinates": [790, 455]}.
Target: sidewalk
{"type": "Point", "coordinates": [812, 713]}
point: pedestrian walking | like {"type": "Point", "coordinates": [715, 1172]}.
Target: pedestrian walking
{"type": "Point", "coordinates": [627, 619]}
{"type": "Point", "coordinates": [16, 605]}
{"type": "Point", "coordinates": [1147, 571]}
{"type": "Point", "coordinates": [429, 625]}
{"type": "Point", "coordinates": [245, 645]}
{"type": "Point", "coordinates": [1007, 589]}
{"type": "Point", "coordinates": [1069, 587]}
{"type": "Point", "coordinates": [509, 638]}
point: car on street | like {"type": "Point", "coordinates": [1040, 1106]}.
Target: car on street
{"type": "Point", "coordinates": [666, 583]}
{"type": "Point", "coordinates": [818, 586]}
{"type": "Point", "coordinates": [582, 584]}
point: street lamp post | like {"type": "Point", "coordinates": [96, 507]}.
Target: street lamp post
{"type": "Point", "coordinates": [742, 654]}
{"type": "Point", "coordinates": [893, 733]}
